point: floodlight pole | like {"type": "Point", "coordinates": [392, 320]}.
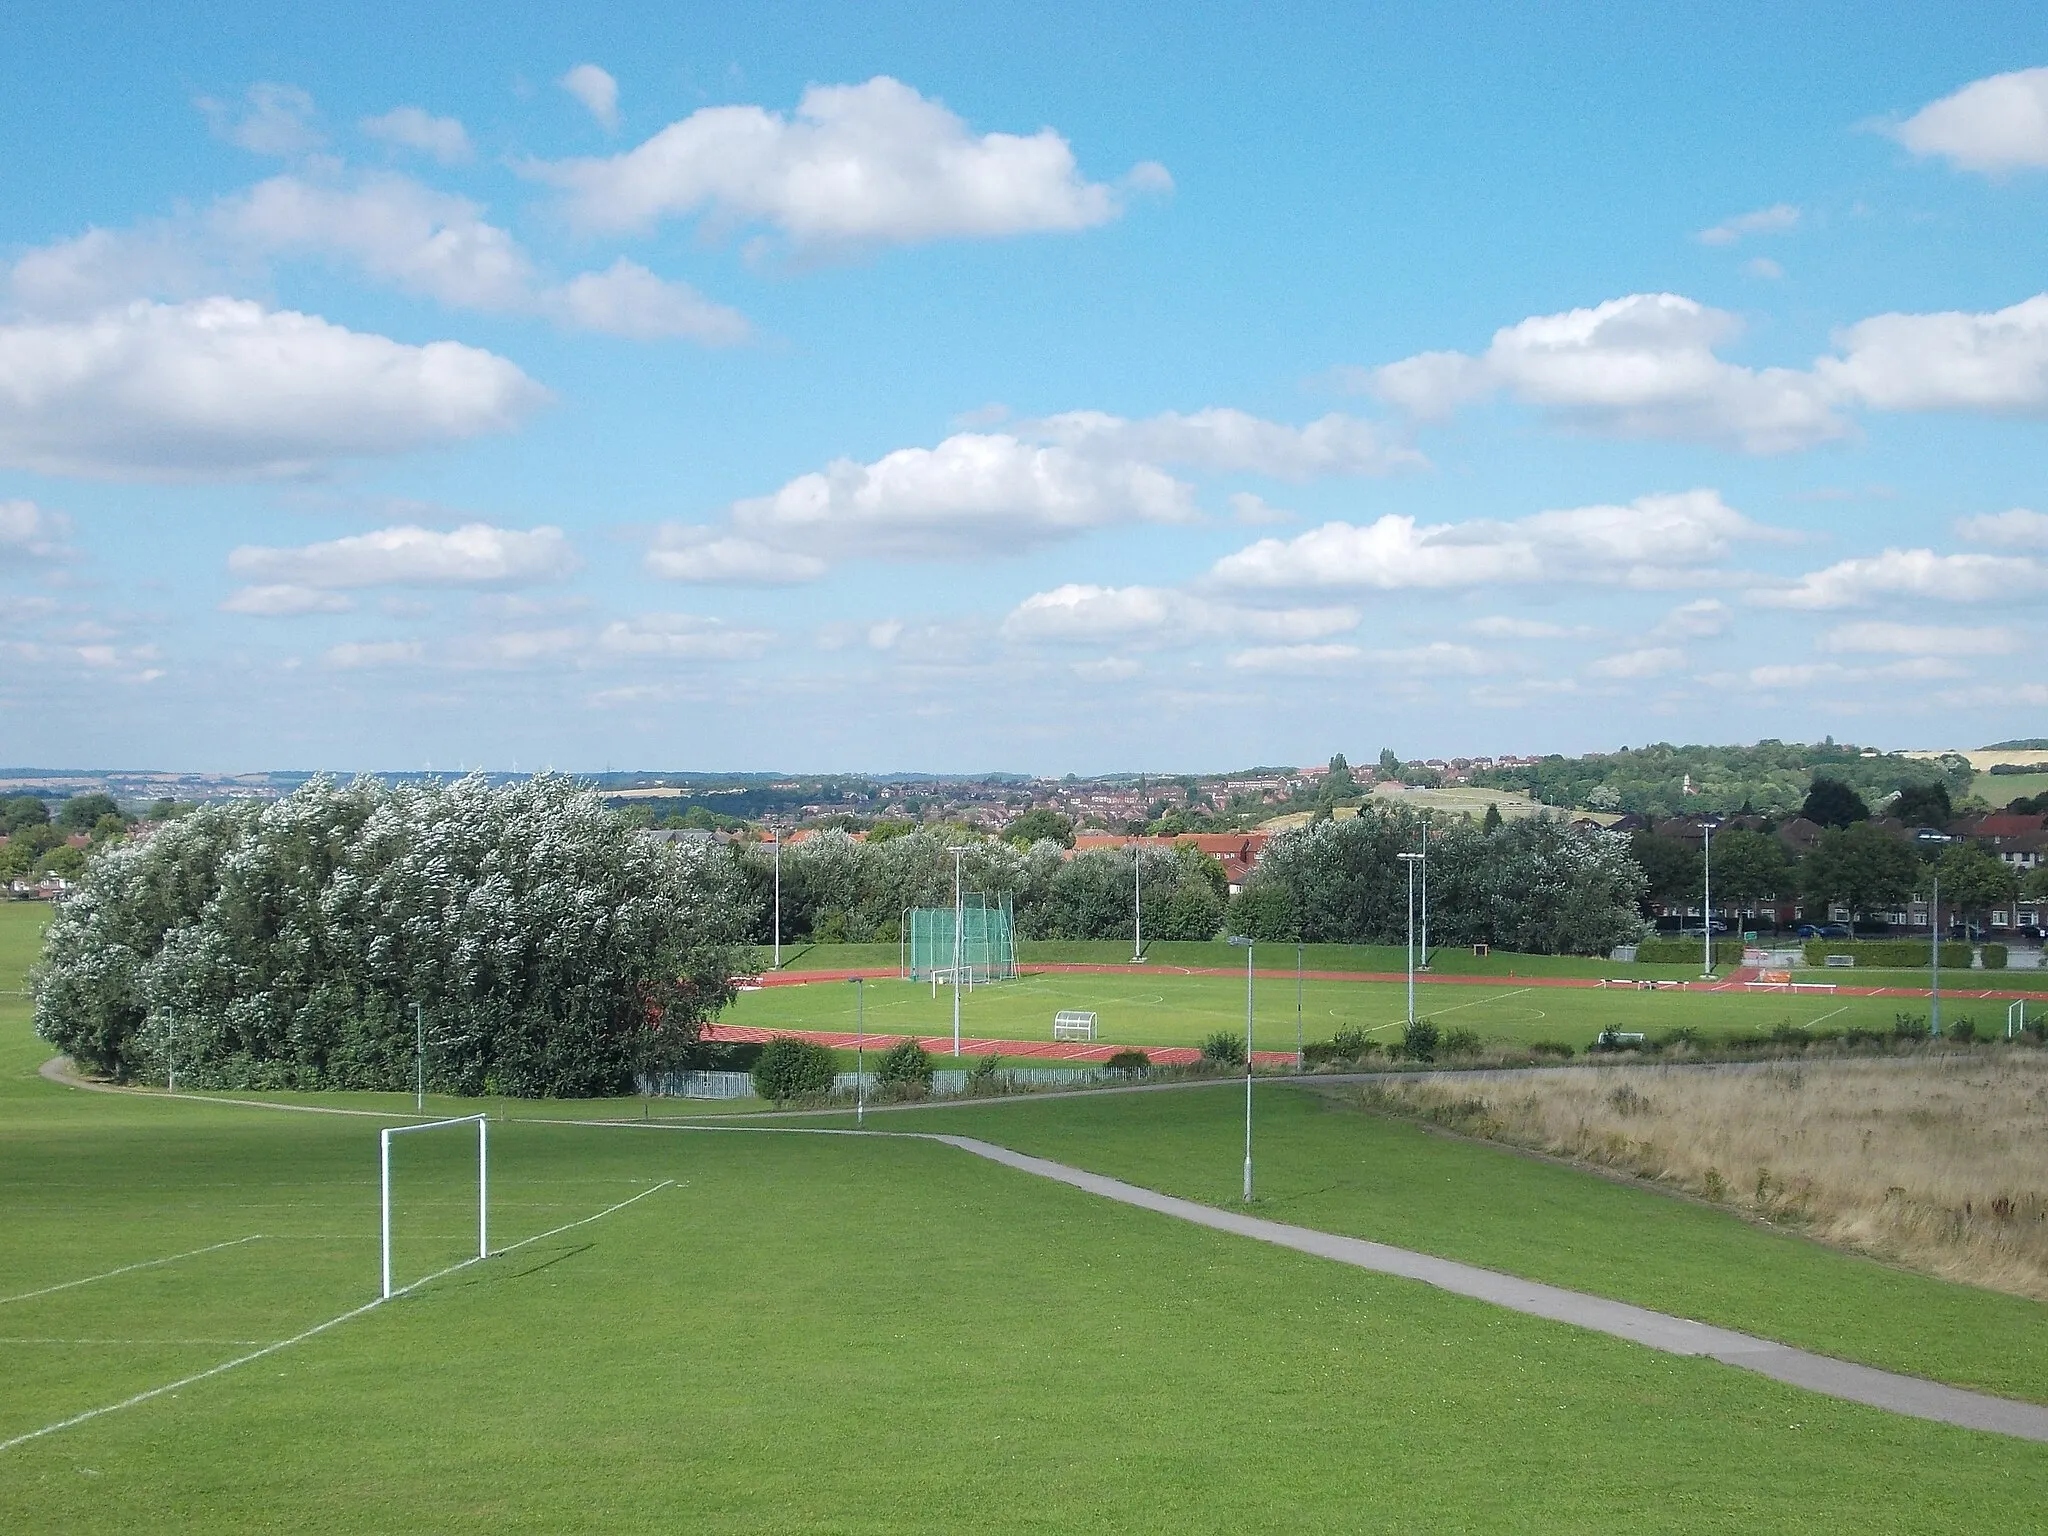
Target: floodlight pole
{"type": "Point", "coordinates": [419, 1060]}
{"type": "Point", "coordinates": [860, 1014]}
{"type": "Point", "coordinates": [778, 894]}
{"type": "Point", "coordinates": [1248, 948]}
{"type": "Point", "coordinates": [1137, 903]}
{"type": "Point", "coordinates": [959, 917]}
{"type": "Point", "coordinates": [1424, 945]}
{"type": "Point", "coordinates": [1934, 923]}
{"type": "Point", "coordinates": [1706, 901]}
{"type": "Point", "coordinates": [1411, 860]}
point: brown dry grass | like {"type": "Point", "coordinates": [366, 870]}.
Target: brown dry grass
{"type": "Point", "coordinates": [1937, 1162]}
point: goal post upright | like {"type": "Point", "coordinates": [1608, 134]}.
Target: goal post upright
{"type": "Point", "coordinates": [483, 1185]}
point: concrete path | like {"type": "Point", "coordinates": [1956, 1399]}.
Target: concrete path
{"type": "Point", "coordinates": [1655, 1330]}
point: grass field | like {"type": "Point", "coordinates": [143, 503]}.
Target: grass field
{"type": "Point", "coordinates": [835, 1334]}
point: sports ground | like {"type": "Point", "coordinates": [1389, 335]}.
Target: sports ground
{"type": "Point", "coordinates": [776, 1332]}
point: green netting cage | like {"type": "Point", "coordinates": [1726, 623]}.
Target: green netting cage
{"type": "Point", "coordinates": [987, 949]}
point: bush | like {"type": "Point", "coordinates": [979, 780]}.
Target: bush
{"type": "Point", "coordinates": [1859, 1036]}
{"type": "Point", "coordinates": [1129, 1063]}
{"type": "Point", "coordinates": [907, 1063]}
{"type": "Point", "coordinates": [1223, 1049]}
{"type": "Point", "coordinates": [1462, 1042]}
{"type": "Point", "coordinates": [1909, 1026]}
{"type": "Point", "coordinates": [1963, 1031]}
{"type": "Point", "coordinates": [1553, 1050]}
{"type": "Point", "coordinates": [981, 1077]}
{"type": "Point", "coordinates": [790, 1068]}
{"type": "Point", "coordinates": [1351, 1042]}
{"type": "Point", "coordinates": [1891, 954]}
{"type": "Point", "coordinates": [1685, 1037]}
{"type": "Point", "coordinates": [1994, 957]}
{"type": "Point", "coordinates": [1419, 1040]}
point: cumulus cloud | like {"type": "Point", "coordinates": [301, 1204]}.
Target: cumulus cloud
{"type": "Point", "coordinates": [284, 600]}
{"type": "Point", "coordinates": [474, 555]}
{"type": "Point", "coordinates": [1909, 573]}
{"type": "Point", "coordinates": [1080, 612]}
{"type": "Point", "coordinates": [1504, 627]}
{"type": "Point", "coordinates": [1651, 661]}
{"type": "Point", "coordinates": [1994, 362]}
{"type": "Point", "coordinates": [1992, 125]}
{"type": "Point", "coordinates": [1300, 659]}
{"type": "Point", "coordinates": [2016, 529]}
{"type": "Point", "coordinates": [684, 553]}
{"type": "Point", "coordinates": [30, 534]}
{"type": "Point", "coordinates": [1921, 639]}
{"type": "Point", "coordinates": [104, 267]}
{"type": "Point", "coordinates": [683, 637]}
{"type": "Point", "coordinates": [1653, 541]}
{"type": "Point", "coordinates": [354, 655]}
{"type": "Point", "coordinates": [444, 138]}
{"type": "Point", "coordinates": [868, 164]}
{"type": "Point", "coordinates": [1696, 620]}
{"type": "Point", "coordinates": [628, 300]}
{"type": "Point", "coordinates": [1224, 439]}
{"type": "Point", "coordinates": [598, 92]}
{"type": "Point", "coordinates": [224, 388]}
{"type": "Point", "coordinates": [1773, 220]}
{"type": "Point", "coordinates": [271, 119]}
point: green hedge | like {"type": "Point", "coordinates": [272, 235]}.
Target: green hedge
{"type": "Point", "coordinates": [1889, 954]}
{"type": "Point", "coordinates": [1994, 957]}
{"type": "Point", "coordinates": [1684, 951]}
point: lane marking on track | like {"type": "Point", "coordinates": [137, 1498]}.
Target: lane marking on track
{"type": "Point", "coordinates": [314, 1331]}
{"type": "Point", "coordinates": [126, 1269]}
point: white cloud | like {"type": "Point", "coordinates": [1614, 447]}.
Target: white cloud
{"type": "Point", "coordinates": [683, 553]}
{"type": "Point", "coordinates": [357, 654]}
{"type": "Point", "coordinates": [284, 600]}
{"type": "Point", "coordinates": [1921, 639]}
{"type": "Point", "coordinates": [1079, 612]}
{"type": "Point", "coordinates": [883, 636]}
{"type": "Point", "coordinates": [1254, 510]}
{"type": "Point", "coordinates": [2016, 529]}
{"type": "Point", "coordinates": [1307, 659]}
{"type": "Point", "coordinates": [1221, 438]}
{"type": "Point", "coordinates": [1641, 366]}
{"type": "Point", "coordinates": [1653, 541]}
{"type": "Point", "coordinates": [628, 300]}
{"type": "Point", "coordinates": [273, 120]}
{"type": "Point", "coordinates": [1764, 221]}
{"type": "Point", "coordinates": [1764, 267]}
{"type": "Point", "coordinates": [1107, 669]}
{"type": "Point", "coordinates": [598, 92]}
{"type": "Point", "coordinates": [31, 533]}
{"type": "Point", "coordinates": [102, 267]}
{"type": "Point", "coordinates": [1439, 658]}
{"type": "Point", "coordinates": [683, 637]}
{"type": "Point", "coordinates": [474, 555]}
{"type": "Point", "coordinates": [1909, 573]}
{"type": "Point", "coordinates": [444, 138]}
{"type": "Point", "coordinates": [223, 388]}
{"type": "Point", "coordinates": [1696, 620]}
{"type": "Point", "coordinates": [1652, 661]}
{"type": "Point", "coordinates": [1503, 627]}
{"type": "Point", "coordinates": [1996, 124]}
{"type": "Point", "coordinates": [866, 164]}
{"type": "Point", "coordinates": [1994, 362]}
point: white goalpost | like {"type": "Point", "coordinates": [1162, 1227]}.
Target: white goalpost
{"type": "Point", "coordinates": [483, 1184]}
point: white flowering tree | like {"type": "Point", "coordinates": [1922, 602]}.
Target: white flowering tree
{"type": "Point", "coordinates": [548, 949]}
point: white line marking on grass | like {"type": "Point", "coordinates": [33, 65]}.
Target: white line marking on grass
{"type": "Point", "coordinates": [1474, 1003]}
{"type": "Point", "coordinates": [1825, 1017]}
{"type": "Point", "coordinates": [125, 1342]}
{"type": "Point", "coordinates": [235, 1242]}
{"type": "Point", "coordinates": [300, 1338]}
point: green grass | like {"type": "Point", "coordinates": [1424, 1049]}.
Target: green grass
{"type": "Point", "coordinates": [831, 1334]}
{"type": "Point", "coordinates": [2001, 789]}
{"type": "Point", "coordinates": [1323, 1163]}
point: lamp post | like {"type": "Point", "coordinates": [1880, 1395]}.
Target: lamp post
{"type": "Point", "coordinates": [1707, 900]}
{"type": "Point", "coordinates": [1137, 903]}
{"type": "Point", "coordinates": [1238, 938]}
{"type": "Point", "coordinates": [1934, 922]}
{"type": "Point", "coordinates": [772, 827]}
{"type": "Point", "coordinates": [860, 1035]}
{"type": "Point", "coordinates": [1411, 860]}
{"type": "Point", "coordinates": [959, 916]}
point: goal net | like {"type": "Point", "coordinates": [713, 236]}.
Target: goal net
{"type": "Point", "coordinates": [436, 1196]}
{"type": "Point", "coordinates": [987, 949]}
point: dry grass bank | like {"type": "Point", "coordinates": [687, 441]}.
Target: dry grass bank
{"type": "Point", "coordinates": [1937, 1162]}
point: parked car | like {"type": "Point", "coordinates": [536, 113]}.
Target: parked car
{"type": "Point", "coordinates": [1825, 931]}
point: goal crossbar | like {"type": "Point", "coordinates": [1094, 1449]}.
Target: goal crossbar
{"type": "Point", "coordinates": [483, 1177]}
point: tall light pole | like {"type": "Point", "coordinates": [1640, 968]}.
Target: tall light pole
{"type": "Point", "coordinates": [959, 917]}
{"type": "Point", "coordinates": [860, 1035]}
{"type": "Point", "coordinates": [1245, 940]}
{"type": "Point", "coordinates": [1137, 903]}
{"type": "Point", "coordinates": [419, 1060]}
{"type": "Point", "coordinates": [1424, 945]}
{"type": "Point", "coordinates": [772, 827]}
{"type": "Point", "coordinates": [1411, 860]}
{"type": "Point", "coordinates": [1707, 900]}
{"type": "Point", "coordinates": [1297, 1006]}
{"type": "Point", "coordinates": [1934, 921]}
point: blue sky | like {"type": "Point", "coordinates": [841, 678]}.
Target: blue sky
{"type": "Point", "coordinates": [1050, 390]}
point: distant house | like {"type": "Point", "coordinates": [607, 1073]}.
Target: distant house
{"type": "Point", "coordinates": [1799, 835]}
{"type": "Point", "coordinates": [1237, 852]}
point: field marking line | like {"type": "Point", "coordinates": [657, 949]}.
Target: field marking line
{"type": "Point", "coordinates": [1474, 1003]}
{"type": "Point", "coordinates": [126, 1342]}
{"type": "Point", "coordinates": [131, 1268]}
{"type": "Point", "coordinates": [300, 1338]}
{"type": "Point", "coordinates": [1825, 1017]}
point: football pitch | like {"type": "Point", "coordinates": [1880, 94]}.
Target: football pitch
{"type": "Point", "coordinates": [782, 1332]}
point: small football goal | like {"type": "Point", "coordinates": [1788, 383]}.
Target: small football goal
{"type": "Point", "coordinates": [483, 1185]}
{"type": "Point", "coordinates": [986, 949]}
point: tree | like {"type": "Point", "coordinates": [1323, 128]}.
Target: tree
{"type": "Point", "coordinates": [20, 812]}
{"type": "Point", "coordinates": [1390, 763]}
{"type": "Point", "coordinates": [1671, 868]}
{"type": "Point", "coordinates": [1338, 784]}
{"type": "Point", "coordinates": [1751, 866]}
{"type": "Point", "coordinates": [1041, 825]}
{"type": "Point", "coordinates": [1492, 821]}
{"type": "Point", "coordinates": [82, 812]}
{"type": "Point", "coordinates": [1973, 881]}
{"type": "Point", "coordinates": [1923, 805]}
{"type": "Point", "coordinates": [1861, 866]}
{"type": "Point", "coordinates": [1831, 803]}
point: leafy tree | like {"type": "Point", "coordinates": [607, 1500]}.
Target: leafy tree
{"type": "Point", "coordinates": [1832, 803]}
{"type": "Point", "coordinates": [80, 812]}
{"type": "Point", "coordinates": [1973, 881]}
{"type": "Point", "coordinates": [906, 1063]}
{"type": "Point", "coordinates": [1923, 805]}
{"type": "Point", "coordinates": [1492, 821]}
{"type": "Point", "coordinates": [1390, 763]}
{"type": "Point", "coordinates": [1751, 866]}
{"type": "Point", "coordinates": [792, 1068]}
{"type": "Point", "coordinates": [1041, 825]}
{"type": "Point", "coordinates": [1671, 867]}
{"type": "Point", "coordinates": [1861, 866]}
{"type": "Point", "coordinates": [1338, 784]}
{"type": "Point", "coordinates": [64, 861]}
{"type": "Point", "coordinates": [20, 812]}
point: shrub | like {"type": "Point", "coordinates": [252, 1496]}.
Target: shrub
{"type": "Point", "coordinates": [1419, 1040]}
{"type": "Point", "coordinates": [1462, 1042]}
{"type": "Point", "coordinates": [1351, 1042]}
{"type": "Point", "coordinates": [1895, 954]}
{"type": "Point", "coordinates": [1223, 1049]}
{"type": "Point", "coordinates": [1862, 1037]}
{"type": "Point", "coordinates": [1684, 1038]}
{"type": "Point", "coordinates": [907, 1063]}
{"type": "Point", "coordinates": [1787, 1033]}
{"type": "Point", "coordinates": [981, 1077]}
{"type": "Point", "coordinates": [1909, 1026]}
{"type": "Point", "coordinates": [1995, 957]}
{"type": "Point", "coordinates": [790, 1068]}
{"type": "Point", "coordinates": [1555, 1050]}
{"type": "Point", "coordinates": [1963, 1031]}
{"type": "Point", "coordinates": [1129, 1063]}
